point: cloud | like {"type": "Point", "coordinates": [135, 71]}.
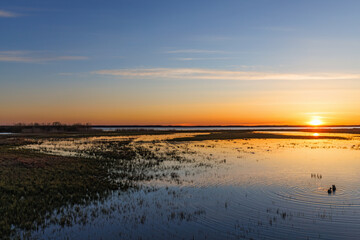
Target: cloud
{"type": "Point", "coordinates": [71, 58]}
{"type": "Point", "coordinates": [211, 74]}
{"type": "Point", "coordinates": [210, 38]}
{"type": "Point", "coordinates": [327, 114]}
{"type": "Point", "coordinates": [194, 51]}
{"type": "Point", "coordinates": [34, 57]}
{"type": "Point", "coordinates": [66, 74]}
{"type": "Point", "coordinates": [193, 54]}
{"type": "Point", "coordinates": [276, 29]}
{"type": "Point", "coordinates": [7, 14]}
{"type": "Point", "coordinates": [200, 59]}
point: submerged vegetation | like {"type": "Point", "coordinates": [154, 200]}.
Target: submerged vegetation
{"type": "Point", "coordinates": [35, 187]}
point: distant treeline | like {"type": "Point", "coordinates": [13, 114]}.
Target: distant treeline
{"type": "Point", "coordinates": [46, 127]}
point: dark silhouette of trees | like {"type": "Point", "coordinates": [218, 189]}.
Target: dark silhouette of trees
{"type": "Point", "coordinates": [46, 127]}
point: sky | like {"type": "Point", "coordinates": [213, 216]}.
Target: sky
{"type": "Point", "coordinates": [180, 62]}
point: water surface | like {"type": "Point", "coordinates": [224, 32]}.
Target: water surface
{"type": "Point", "coordinates": [234, 189]}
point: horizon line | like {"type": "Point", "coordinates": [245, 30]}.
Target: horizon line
{"type": "Point", "coordinates": [181, 125]}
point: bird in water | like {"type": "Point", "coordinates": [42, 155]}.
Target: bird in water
{"type": "Point", "coordinates": [334, 188]}
{"type": "Point", "coordinates": [329, 190]}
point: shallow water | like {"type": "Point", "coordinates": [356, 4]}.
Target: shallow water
{"type": "Point", "coordinates": [179, 128]}
{"type": "Point", "coordinates": [234, 189]}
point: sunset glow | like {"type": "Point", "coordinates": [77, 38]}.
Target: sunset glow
{"type": "Point", "coordinates": [316, 121]}
{"type": "Point", "coordinates": [121, 67]}
{"type": "Point", "coordinates": [163, 119]}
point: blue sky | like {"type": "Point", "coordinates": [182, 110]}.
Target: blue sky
{"type": "Point", "coordinates": [162, 49]}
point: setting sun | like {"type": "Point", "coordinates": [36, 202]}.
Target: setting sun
{"type": "Point", "coordinates": [316, 121]}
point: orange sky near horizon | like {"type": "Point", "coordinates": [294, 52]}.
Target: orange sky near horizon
{"type": "Point", "coordinates": [183, 102]}
{"type": "Point", "coordinates": [332, 107]}
{"type": "Point", "coordinates": [180, 62]}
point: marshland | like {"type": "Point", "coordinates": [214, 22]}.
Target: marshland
{"type": "Point", "coordinates": [192, 184]}
{"type": "Point", "coordinates": [191, 119]}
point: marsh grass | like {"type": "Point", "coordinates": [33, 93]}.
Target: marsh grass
{"type": "Point", "coordinates": [230, 135]}
{"type": "Point", "coordinates": [39, 188]}
{"type": "Point", "coordinates": [33, 186]}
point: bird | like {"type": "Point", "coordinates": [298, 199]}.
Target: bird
{"type": "Point", "coordinates": [334, 188]}
{"type": "Point", "coordinates": [329, 190]}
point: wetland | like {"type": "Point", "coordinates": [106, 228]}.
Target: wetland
{"type": "Point", "coordinates": [218, 184]}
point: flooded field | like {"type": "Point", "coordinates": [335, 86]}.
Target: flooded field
{"type": "Point", "coordinates": [246, 188]}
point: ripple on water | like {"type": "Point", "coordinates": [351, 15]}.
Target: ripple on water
{"type": "Point", "coordinates": [246, 198]}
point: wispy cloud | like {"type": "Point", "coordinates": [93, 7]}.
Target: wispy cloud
{"type": "Point", "coordinates": [35, 57]}
{"type": "Point", "coordinates": [210, 74]}
{"type": "Point", "coordinates": [66, 74]}
{"type": "Point", "coordinates": [201, 59]}
{"type": "Point", "coordinates": [71, 58]}
{"type": "Point", "coordinates": [276, 29]}
{"type": "Point", "coordinates": [7, 14]}
{"type": "Point", "coordinates": [198, 54]}
{"type": "Point", "coordinates": [195, 51]}
{"type": "Point", "coordinates": [210, 38]}
{"type": "Point", "coordinates": [326, 115]}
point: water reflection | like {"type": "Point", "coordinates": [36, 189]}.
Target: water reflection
{"type": "Point", "coordinates": [253, 188]}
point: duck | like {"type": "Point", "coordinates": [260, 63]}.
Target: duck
{"type": "Point", "coordinates": [334, 188]}
{"type": "Point", "coordinates": [329, 190]}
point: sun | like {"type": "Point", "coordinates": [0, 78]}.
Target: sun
{"type": "Point", "coordinates": [316, 121]}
